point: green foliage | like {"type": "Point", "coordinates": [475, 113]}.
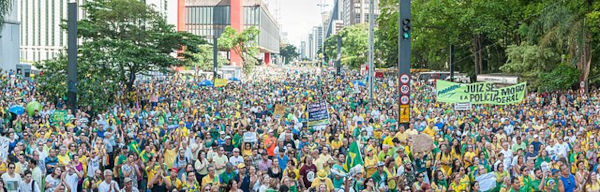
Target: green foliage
{"type": "Point", "coordinates": [560, 78]}
{"type": "Point", "coordinates": [288, 52]}
{"type": "Point", "coordinates": [244, 44]}
{"type": "Point", "coordinates": [5, 6]}
{"type": "Point", "coordinates": [95, 85]}
{"type": "Point", "coordinates": [203, 59]}
{"type": "Point", "coordinates": [121, 40]}
{"type": "Point", "coordinates": [529, 61]}
{"type": "Point", "coordinates": [354, 45]}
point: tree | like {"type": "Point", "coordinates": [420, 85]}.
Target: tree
{"type": "Point", "coordinates": [203, 59]}
{"type": "Point", "coordinates": [5, 6]}
{"type": "Point", "coordinates": [244, 44]}
{"type": "Point", "coordinates": [354, 45]}
{"type": "Point", "coordinates": [288, 52]}
{"type": "Point", "coordinates": [122, 39]}
{"type": "Point", "coordinates": [530, 62]}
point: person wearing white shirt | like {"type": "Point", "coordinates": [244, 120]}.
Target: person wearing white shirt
{"type": "Point", "coordinates": [29, 185]}
{"type": "Point", "coordinates": [11, 179]}
{"type": "Point", "coordinates": [236, 159]}
{"type": "Point", "coordinates": [72, 177]}
{"type": "Point", "coordinates": [108, 185]}
{"type": "Point", "coordinates": [508, 156]}
{"type": "Point", "coordinates": [129, 186]}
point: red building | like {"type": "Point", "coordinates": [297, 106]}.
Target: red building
{"type": "Point", "coordinates": [208, 18]}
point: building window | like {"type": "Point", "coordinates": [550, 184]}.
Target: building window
{"type": "Point", "coordinates": [60, 34]}
{"type": "Point", "coordinates": [53, 20]}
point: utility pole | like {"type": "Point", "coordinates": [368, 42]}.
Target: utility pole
{"type": "Point", "coordinates": [404, 62]}
{"type": "Point", "coordinates": [338, 62]}
{"type": "Point", "coordinates": [370, 57]}
{"type": "Point", "coordinates": [452, 63]}
{"type": "Point", "coordinates": [72, 57]}
{"type": "Point", "coordinates": [215, 62]}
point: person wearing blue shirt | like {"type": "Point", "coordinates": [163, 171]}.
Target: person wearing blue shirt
{"type": "Point", "coordinates": [51, 161]}
{"type": "Point", "coordinates": [282, 159]}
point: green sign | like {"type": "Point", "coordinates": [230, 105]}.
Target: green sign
{"type": "Point", "coordinates": [479, 93]}
{"type": "Point", "coordinates": [58, 115]}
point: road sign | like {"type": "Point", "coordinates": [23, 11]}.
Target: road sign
{"type": "Point", "coordinates": [404, 78]}
{"type": "Point", "coordinates": [404, 100]}
{"type": "Point", "coordinates": [404, 89]}
{"type": "Point", "coordinates": [404, 113]}
{"type": "Point", "coordinates": [462, 106]}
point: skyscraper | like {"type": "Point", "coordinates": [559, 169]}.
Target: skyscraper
{"type": "Point", "coordinates": [311, 44]}
{"type": "Point", "coordinates": [9, 39]}
{"type": "Point", "coordinates": [41, 37]}
{"type": "Point", "coordinates": [302, 49]}
{"type": "Point", "coordinates": [357, 11]}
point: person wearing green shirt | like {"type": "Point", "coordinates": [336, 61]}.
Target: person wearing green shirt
{"type": "Point", "coordinates": [537, 184]}
{"type": "Point", "coordinates": [379, 176]}
{"type": "Point", "coordinates": [385, 152]}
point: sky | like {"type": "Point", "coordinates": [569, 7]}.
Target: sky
{"type": "Point", "coordinates": [299, 16]}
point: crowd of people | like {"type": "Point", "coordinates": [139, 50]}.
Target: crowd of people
{"type": "Point", "coordinates": [174, 135]}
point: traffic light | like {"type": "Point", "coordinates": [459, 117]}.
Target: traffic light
{"type": "Point", "coordinates": [406, 28]}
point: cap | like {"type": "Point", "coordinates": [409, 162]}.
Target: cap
{"type": "Point", "coordinates": [127, 180]}
{"type": "Point", "coordinates": [221, 132]}
{"type": "Point", "coordinates": [554, 171]}
{"type": "Point", "coordinates": [241, 166]}
{"type": "Point", "coordinates": [227, 137]}
{"type": "Point", "coordinates": [380, 164]}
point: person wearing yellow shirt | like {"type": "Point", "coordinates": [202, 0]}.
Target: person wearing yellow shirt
{"type": "Point", "coordinates": [63, 157]}
{"type": "Point", "coordinates": [211, 178]}
{"type": "Point", "coordinates": [322, 178]}
{"type": "Point", "coordinates": [336, 143]}
{"type": "Point", "coordinates": [370, 162]}
{"type": "Point", "coordinates": [173, 181]}
{"type": "Point", "coordinates": [170, 154]}
{"type": "Point", "coordinates": [430, 130]}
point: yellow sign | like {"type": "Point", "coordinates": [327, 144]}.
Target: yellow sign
{"type": "Point", "coordinates": [220, 82]}
{"type": "Point", "coordinates": [404, 114]}
{"type": "Point", "coordinates": [279, 110]}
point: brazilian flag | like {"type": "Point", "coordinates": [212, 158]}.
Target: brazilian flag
{"type": "Point", "coordinates": [353, 158]}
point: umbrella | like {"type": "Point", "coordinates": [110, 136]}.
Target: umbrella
{"type": "Point", "coordinates": [32, 107]}
{"type": "Point", "coordinates": [359, 83]}
{"type": "Point", "coordinates": [234, 79]}
{"type": "Point", "coordinates": [206, 83]}
{"type": "Point", "coordinates": [17, 109]}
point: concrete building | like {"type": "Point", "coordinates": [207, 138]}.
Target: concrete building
{"type": "Point", "coordinates": [209, 18]}
{"type": "Point", "coordinates": [303, 50]}
{"type": "Point", "coordinates": [357, 11]}
{"type": "Point", "coordinates": [41, 37]}
{"type": "Point", "coordinates": [9, 39]}
{"type": "Point", "coordinates": [311, 45]}
{"type": "Point", "coordinates": [318, 34]}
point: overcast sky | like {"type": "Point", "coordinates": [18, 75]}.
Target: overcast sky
{"type": "Point", "coordinates": [299, 16]}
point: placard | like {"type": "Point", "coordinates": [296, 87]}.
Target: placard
{"type": "Point", "coordinates": [462, 106]}
{"type": "Point", "coordinates": [279, 110]}
{"type": "Point", "coordinates": [317, 114]}
{"type": "Point", "coordinates": [479, 93]}
{"type": "Point", "coordinates": [4, 142]}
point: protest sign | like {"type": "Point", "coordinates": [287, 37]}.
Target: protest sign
{"type": "Point", "coordinates": [59, 115]}
{"type": "Point", "coordinates": [317, 114]}
{"type": "Point", "coordinates": [462, 106]}
{"type": "Point", "coordinates": [479, 93]}
{"type": "Point", "coordinates": [279, 110]}
{"type": "Point", "coordinates": [4, 141]}
{"type": "Point", "coordinates": [220, 82]}
{"type": "Point", "coordinates": [421, 143]}
{"type": "Point", "coordinates": [486, 181]}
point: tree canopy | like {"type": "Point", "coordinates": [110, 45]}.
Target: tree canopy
{"type": "Point", "coordinates": [288, 52]}
{"type": "Point", "coordinates": [526, 38]}
{"type": "Point", "coordinates": [121, 40]}
{"type": "Point", "coordinates": [243, 43]}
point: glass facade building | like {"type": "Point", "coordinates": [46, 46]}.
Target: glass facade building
{"type": "Point", "coordinates": [208, 21]}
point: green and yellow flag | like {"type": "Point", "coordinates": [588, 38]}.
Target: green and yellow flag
{"type": "Point", "coordinates": [353, 158]}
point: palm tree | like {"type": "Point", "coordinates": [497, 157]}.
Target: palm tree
{"type": "Point", "coordinates": [562, 25]}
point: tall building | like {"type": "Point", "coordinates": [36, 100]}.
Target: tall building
{"type": "Point", "coordinates": [9, 39]}
{"type": "Point", "coordinates": [311, 44]}
{"type": "Point", "coordinates": [357, 11]}
{"type": "Point", "coordinates": [302, 49]}
{"type": "Point", "coordinates": [318, 34]}
{"type": "Point", "coordinates": [209, 18]}
{"type": "Point", "coordinates": [42, 38]}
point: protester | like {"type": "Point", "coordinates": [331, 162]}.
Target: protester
{"type": "Point", "coordinates": [175, 134]}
